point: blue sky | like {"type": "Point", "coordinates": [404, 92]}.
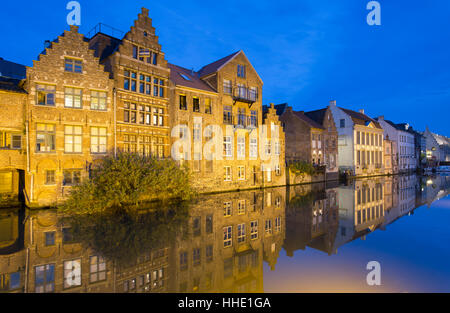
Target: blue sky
{"type": "Point", "coordinates": [306, 51]}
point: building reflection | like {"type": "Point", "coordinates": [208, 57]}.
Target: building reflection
{"type": "Point", "coordinates": [218, 243]}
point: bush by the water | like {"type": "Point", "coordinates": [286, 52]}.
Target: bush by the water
{"type": "Point", "coordinates": [125, 182]}
{"type": "Point", "coordinates": [302, 167]}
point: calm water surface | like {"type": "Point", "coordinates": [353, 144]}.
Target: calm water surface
{"type": "Point", "coordinates": [312, 238]}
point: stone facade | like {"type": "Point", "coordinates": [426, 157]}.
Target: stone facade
{"type": "Point", "coordinates": [220, 129]}
{"type": "Point", "coordinates": [69, 117]}
{"type": "Point", "coordinates": [138, 67]}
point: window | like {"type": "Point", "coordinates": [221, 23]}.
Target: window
{"type": "Point", "coordinates": [278, 148]}
{"type": "Point", "coordinates": [342, 123]}
{"type": "Point", "coordinates": [97, 269]}
{"type": "Point", "coordinates": [183, 261]}
{"type": "Point", "coordinates": [278, 224]}
{"type": "Point", "coordinates": [73, 139]}
{"type": "Point", "coordinates": [227, 236]}
{"type": "Point", "coordinates": [253, 147]}
{"type": "Point", "coordinates": [45, 95]}
{"type": "Point", "coordinates": [196, 104]}
{"type": "Point", "coordinates": [267, 147]}
{"type": "Point", "coordinates": [183, 102]}
{"type": "Point", "coordinates": [268, 227]}
{"type": "Point", "coordinates": [209, 224]}
{"type": "Point", "coordinates": [161, 88]}
{"type": "Point", "coordinates": [130, 143]}
{"type": "Point", "coordinates": [196, 257]}
{"type": "Point", "coordinates": [241, 71]}
{"type": "Point", "coordinates": [241, 147]}
{"type": "Point", "coordinates": [98, 100]}
{"type": "Point", "coordinates": [227, 115]}
{"type": "Point", "coordinates": [196, 227]}
{"type": "Point", "coordinates": [278, 170]}
{"type": "Point", "coordinates": [71, 177]}
{"type": "Point", "coordinates": [49, 238]}
{"type": "Point", "coordinates": [254, 118]}
{"type": "Point", "coordinates": [254, 230]}
{"type": "Point", "coordinates": [67, 235]}
{"type": "Point", "coordinates": [241, 173]}
{"type": "Point", "coordinates": [73, 65]}
{"type": "Point", "coordinates": [10, 141]}
{"type": "Point", "coordinates": [72, 98]}
{"type": "Point", "coordinates": [253, 93]}
{"type": "Point", "coordinates": [227, 209]}
{"type": "Point", "coordinates": [72, 273]}
{"type": "Point", "coordinates": [50, 177]}
{"type": "Point", "coordinates": [227, 146]}
{"type": "Point", "coordinates": [241, 233]}
{"type": "Point", "coordinates": [242, 91]}
{"type": "Point", "coordinates": [208, 106]}
{"type": "Point", "coordinates": [241, 207]}
{"type": "Point", "coordinates": [227, 87]}
{"type": "Point", "coordinates": [209, 253]}
{"type": "Point", "coordinates": [135, 52]}
{"type": "Point", "coordinates": [131, 112]}
{"type": "Point", "coordinates": [98, 139]}
{"type": "Point", "coordinates": [228, 176]}
{"type": "Point", "coordinates": [45, 138]}
{"type": "Point", "coordinates": [44, 279]}
{"type": "Point", "coordinates": [358, 138]}
{"type": "Point", "coordinates": [130, 80]}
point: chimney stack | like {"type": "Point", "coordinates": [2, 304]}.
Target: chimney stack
{"type": "Point", "coordinates": [361, 111]}
{"type": "Point", "coordinates": [333, 103]}
{"type": "Point", "coordinates": [381, 118]}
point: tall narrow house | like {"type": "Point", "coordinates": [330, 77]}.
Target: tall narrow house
{"type": "Point", "coordinates": [69, 117]}
{"type": "Point", "coordinates": [138, 67]}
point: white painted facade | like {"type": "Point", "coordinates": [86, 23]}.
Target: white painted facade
{"type": "Point", "coordinates": [346, 150]}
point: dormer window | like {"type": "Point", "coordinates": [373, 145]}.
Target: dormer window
{"type": "Point", "coordinates": [73, 65]}
{"type": "Point", "coordinates": [185, 77]}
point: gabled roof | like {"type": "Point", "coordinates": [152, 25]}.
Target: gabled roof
{"type": "Point", "coordinates": [217, 65]}
{"type": "Point", "coordinates": [361, 119]}
{"type": "Point", "coordinates": [11, 84]}
{"type": "Point", "coordinates": [318, 116]}
{"type": "Point", "coordinates": [306, 119]}
{"type": "Point", "coordinates": [12, 70]}
{"type": "Point", "coordinates": [194, 81]}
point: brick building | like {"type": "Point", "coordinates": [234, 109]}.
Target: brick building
{"type": "Point", "coordinates": [220, 128]}
{"type": "Point", "coordinates": [138, 67]}
{"type": "Point", "coordinates": [69, 117]}
{"type": "Point", "coordinates": [12, 134]}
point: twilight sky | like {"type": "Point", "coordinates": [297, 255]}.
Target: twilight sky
{"type": "Point", "coordinates": [306, 51]}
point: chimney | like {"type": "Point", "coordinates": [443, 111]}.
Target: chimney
{"type": "Point", "coordinates": [361, 111]}
{"type": "Point", "coordinates": [272, 106]}
{"type": "Point", "coordinates": [47, 44]}
{"type": "Point", "coordinates": [333, 103]}
{"type": "Point", "coordinates": [381, 118]}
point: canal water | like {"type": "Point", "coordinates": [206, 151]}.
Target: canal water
{"type": "Point", "coordinates": [387, 234]}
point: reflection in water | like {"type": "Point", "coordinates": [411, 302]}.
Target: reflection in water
{"type": "Point", "coordinates": [217, 243]}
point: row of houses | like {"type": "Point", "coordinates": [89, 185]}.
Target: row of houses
{"type": "Point", "coordinates": [86, 97]}
{"type": "Point", "coordinates": [220, 246]}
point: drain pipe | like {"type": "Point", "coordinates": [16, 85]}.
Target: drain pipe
{"type": "Point", "coordinates": [115, 121]}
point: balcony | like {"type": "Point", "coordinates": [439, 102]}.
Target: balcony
{"type": "Point", "coordinates": [240, 120]}
{"type": "Point", "coordinates": [243, 94]}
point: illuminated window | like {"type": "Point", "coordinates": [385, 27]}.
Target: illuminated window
{"type": "Point", "coordinates": [73, 98]}
{"type": "Point", "coordinates": [98, 139]}
{"type": "Point", "coordinates": [45, 138]}
{"type": "Point", "coordinates": [73, 139]}
{"type": "Point", "coordinates": [45, 95]}
{"type": "Point", "coordinates": [227, 236]}
{"type": "Point", "coordinates": [98, 100]}
{"type": "Point", "coordinates": [72, 273]}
